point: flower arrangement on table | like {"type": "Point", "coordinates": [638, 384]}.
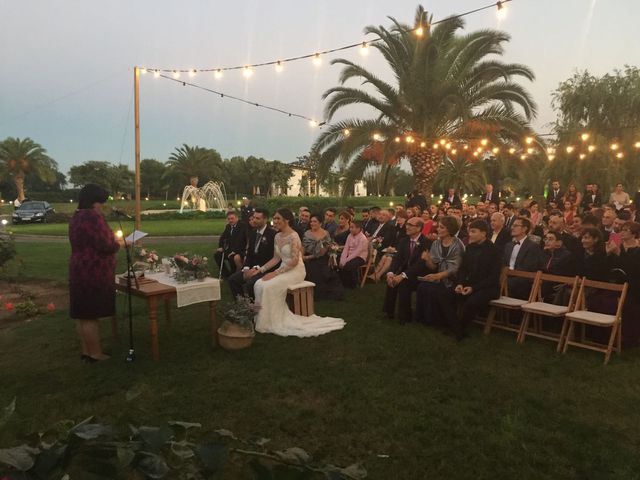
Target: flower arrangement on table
{"type": "Point", "coordinates": [146, 259]}
{"type": "Point", "coordinates": [186, 265]}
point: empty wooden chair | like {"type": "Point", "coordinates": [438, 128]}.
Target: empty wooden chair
{"type": "Point", "coordinates": [583, 316]}
{"type": "Point", "coordinates": [368, 266]}
{"type": "Point", "coordinates": [539, 308]}
{"type": "Point", "coordinates": [506, 304]}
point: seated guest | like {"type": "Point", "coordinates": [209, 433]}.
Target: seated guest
{"type": "Point", "coordinates": [330, 224]}
{"type": "Point", "coordinates": [429, 228]}
{"type": "Point", "coordinates": [558, 225]}
{"type": "Point", "coordinates": [342, 232]}
{"type": "Point", "coordinates": [608, 217]}
{"type": "Point", "coordinates": [509, 213]}
{"type": "Point", "coordinates": [499, 235]}
{"type": "Point", "coordinates": [568, 212]}
{"type": "Point", "coordinates": [536, 216]}
{"type": "Point", "coordinates": [521, 254]}
{"type": "Point", "coordinates": [387, 256]}
{"type": "Point", "coordinates": [354, 255]}
{"type": "Point", "coordinates": [477, 281]}
{"type": "Point", "coordinates": [592, 197]}
{"type": "Point", "coordinates": [316, 242]}
{"type": "Point", "coordinates": [373, 223]}
{"type": "Point", "coordinates": [259, 251]}
{"type": "Point", "coordinates": [385, 231]}
{"type": "Point", "coordinates": [232, 245]}
{"type": "Point", "coordinates": [452, 198]}
{"type": "Point", "coordinates": [366, 218]}
{"type": "Point", "coordinates": [302, 223]}
{"type": "Point", "coordinates": [443, 259]}
{"type": "Point", "coordinates": [576, 226]}
{"type": "Point", "coordinates": [556, 259]}
{"type": "Point", "coordinates": [619, 198]}
{"type": "Point", "coordinates": [402, 279]}
{"type": "Point", "coordinates": [626, 257]}
{"type": "Point", "coordinates": [591, 261]}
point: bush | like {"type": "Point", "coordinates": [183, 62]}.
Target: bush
{"type": "Point", "coordinates": [7, 250]}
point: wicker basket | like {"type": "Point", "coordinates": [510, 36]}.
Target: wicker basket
{"type": "Point", "coordinates": [234, 337]}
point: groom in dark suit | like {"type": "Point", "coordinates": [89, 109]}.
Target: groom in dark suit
{"type": "Point", "coordinates": [259, 251]}
{"type": "Point", "coordinates": [402, 278]}
{"type": "Point", "coordinates": [521, 254]}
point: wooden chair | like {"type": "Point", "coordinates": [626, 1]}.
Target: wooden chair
{"type": "Point", "coordinates": [300, 298]}
{"type": "Point", "coordinates": [507, 304]}
{"type": "Point", "coordinates": [371, 262]}
{"type": "Point", "coordinates": [539, 308]}
{"type": "Point", "coordinates": [582, 315]}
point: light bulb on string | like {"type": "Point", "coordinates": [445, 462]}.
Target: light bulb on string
{"type": "Point", "coordinates": [591, 148]}
{"type": "Point", "coordinates": [156, 74]}
{"type": "Point", "coordinates": [218, 74]}
{"type": "Point", "coordinates": [570, 149]}
{"type": "Point", "coordinates": [512, 150]}
{"type": "Point", "coordinates": [495, 150]}
{"type": "Point", "coordinates": [143, 70]}
{"type": "Point", "coordinates": [443, 141]}
{"type": "Point", "coordinates": [523, 157]}
{"type": "Point", "coordinates": [409, 139]}
{"type": "Point", "coordinates": [614, 146]}
{"type": "Point", "coordinates": [423, 144]}
{"type": "Point", "coordinates": [419, 31]}
{"type": "Point", "coordinates": [192, 73]}
{"type": "Point", "coordinates": [637, 144]}
{"type": "Point", "coordinates": [582, 156]}
{"type": "Point", "coordinates": [484, 142]}
{"type": "Point", "coordinates": [528, 140]}
{"type": "Point", "coordinates": [376, 136]}
{"type": "Point", "coordinates": [397, 139]}
{"type": "Point", "coordinates": [435, 146]}
{"type": "Point", "coordinates": [551, 157]}
{"type": "Point", "coordinates": [475, 154]}
{"type": "Point", "coordinates": [551, 150]}
{"type": "Point", "coordinates": [584, 137]}
{"type": "Point", "coordinates": [529, 150]}
{"type": "Point", "coordinates": [176, 74]}
{"type": "Point", "coordinates": [466, 147]}
{"type": "Point", "coordinates": [247, 71]}
{"type": "Point", "coordinates": [279, 66]}
{"type": "Point", "coordinates": [501, 12]}
{"type": "Point", "coordinates": [619, 155]}
{"type": "Point", "coordinates": [317, 60]}
{"type": "Point", "coordinates": [346, 132]}
{"type": "Point", "coordinates": [313, 123]}
{"type": "Point", "coordinates": [447, 146]}
{"type": "Point", "coordinates": [454, 151]}
{"type": "Point", "coordinates": [364, 49]}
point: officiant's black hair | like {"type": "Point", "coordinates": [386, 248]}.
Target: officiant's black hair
{"type": "Point", "coordinates": [91, 194]}
{"type": "Point", "coordinates": [286, 214]}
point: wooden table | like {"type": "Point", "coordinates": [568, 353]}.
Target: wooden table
{"type": "Point", "coordinates": [152, 292]}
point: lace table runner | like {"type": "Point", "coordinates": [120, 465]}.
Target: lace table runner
{"type": "Point", "coordinates": [191, 292]}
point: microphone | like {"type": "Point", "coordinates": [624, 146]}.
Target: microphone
{"type": "Point", "coordinates": [120, 213]}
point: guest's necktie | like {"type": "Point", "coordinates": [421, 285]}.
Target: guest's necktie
{"type": "Point", "coordinates": [412, 246]}
{"type": "Point", "coordinates": [516, 242]}
{"type": "Point", "coordinates": [258, 238]}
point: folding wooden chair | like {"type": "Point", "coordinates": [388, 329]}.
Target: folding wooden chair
{"type": "Point", "coordinates": [371, 262]}
{"type": "Point", "coordinates": [585, 317]}
{"type": "Point", "coordinates": [505, 303]}
{"type": "Point", "coordinates": [539, 308]}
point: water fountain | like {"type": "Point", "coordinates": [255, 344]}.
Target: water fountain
{"type": "Point", "coordinates": [211, 196]}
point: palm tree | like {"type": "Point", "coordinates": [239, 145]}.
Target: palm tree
{"type": "Point", "coordinates": [447, 86]}
{"type": "Point", "coordinates": [462, 174]}
{"type": "Point", "coordinates": [187, 162]}
{"type": "Point", "coordinates": [21, 157]}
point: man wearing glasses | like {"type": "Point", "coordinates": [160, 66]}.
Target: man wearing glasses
{"type": "Point", "coordinates": [402, 278]}
{"type": "Point", "coordinates": [521, 254]}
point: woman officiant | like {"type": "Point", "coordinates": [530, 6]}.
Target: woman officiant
{"type": "Point", "coordinates": [92, 265]}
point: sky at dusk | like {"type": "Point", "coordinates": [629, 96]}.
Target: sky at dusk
{"type": "Point", "coordinates": [66, 67]}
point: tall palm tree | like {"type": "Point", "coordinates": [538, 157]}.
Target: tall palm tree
{"type": "Point", "coordinates": [462, 174]}
{"type": "Point", "coordinates": [187, 162]}
{"type": "Point", "coordinates": [446, 86]}
{"type": "Point", "coordinates": [20, 157]}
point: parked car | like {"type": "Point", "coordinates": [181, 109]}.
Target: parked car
{"type": "Point", "coordinates": [33, 211]}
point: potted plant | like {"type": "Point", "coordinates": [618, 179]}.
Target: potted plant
{"type": "Point", "coordinates": [237, 330]}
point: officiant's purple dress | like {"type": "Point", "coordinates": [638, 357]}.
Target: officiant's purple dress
{"type": "Point", "coordinates": [92, 266]}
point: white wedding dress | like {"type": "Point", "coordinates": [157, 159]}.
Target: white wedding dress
{"type": "Point", "coordinates": [274, 315]}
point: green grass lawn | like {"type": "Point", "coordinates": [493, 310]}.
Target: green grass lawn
{"type": "Point", "coordinates": [406, 401]}
{"type": "Point", "coordinates": [213, 226]}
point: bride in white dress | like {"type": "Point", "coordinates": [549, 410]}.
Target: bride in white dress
{"type": "Point", "coordinates": [274, 315]}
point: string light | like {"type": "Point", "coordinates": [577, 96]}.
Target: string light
{"type": "Point", "coordinates": [484, 142]}
{"type": "Point", "coordinates": [582, 156]}
{"type": "Point", "coordinates": [447, 146]}
{"type": "Point", "coordinates": [176, 74]}
{"type": "Point", "coordinates": [313, 123]}
{"type": "Point", "coordinates": [435, 146]}
{"type": "Point", "coordinates": [551, 150]}
{"type": "Point", "coordinates": [551, 157]}
{"type": "Point", "coordinates": [419, 31]}
{"type": "Point", "coordinates": [409, 139]}
{"type": "Point", "coordinates": [218, 74]}
{"type": "Point", "coordinates": [376, 136]}
{"type": "Point", "coordinates": [364, 49]}
{"type": "Point", "coordinates": [501, 12]}
{"type": "Point", "coordinates": [528, 140]}
{"type": "Point", "coordinates": [317, 60]}
{"type": "Point", "coordinates": [279, 66]}
{"type": "Point", "coordinates": [529, 150]}
{"type": "Point", "coordinates": [247, 72]}
{"type": "Point", "coordinates": [523, 157]}
{"type": "Point", "coordinates": [423, 144]}
{"type": "Point", "coordinates": [454, 151]}
{"type": "Point", "coordinates": [192, 73]}
{"type": "Point", "coordinates": [512, 150]}
{"type": "Point", "coordinates": [156, 73]}
{"type": "Point", "coordinates": [637, 144]}
{"type": "Point", "coordinates": [397, 139]}
{"type": "Point", "coordinates": [495, 150]}
{"type": "Point", "coordinates": [443, 141]}
{"type": "Point", "coordinates": [466, 147]}
{"type": "Point", "coordinates": [591, 148]}
{"type": "Point", "coordinates": [570, 149]}
{"type": "Point", "coordinates": [475, 154]}
{"type": "Point", "coordinates": [614, 146]}
{"type": "Point", "coordinates": [143, 71]}
{"type": "Point", "coordinates": [584, 137]}
{"type": "Point", "coordinates": [346, 132]}
{"type": "Point", "coordinates": [619, 155]}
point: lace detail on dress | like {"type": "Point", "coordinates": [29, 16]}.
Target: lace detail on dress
{"type": "Point", "coordinates": [289, 259]}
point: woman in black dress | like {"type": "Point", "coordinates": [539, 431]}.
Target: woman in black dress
{"type": "Point", "coordinates": [316, 243]}
{"type": "Point", "coordinates": [91, 270]}
{"type": "Point", "coordinates": [342, 232]}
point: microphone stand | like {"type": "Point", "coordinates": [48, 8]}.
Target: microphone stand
{"type": "Point", "coordinates": [131, 355]}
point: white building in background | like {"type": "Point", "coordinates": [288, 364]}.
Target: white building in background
{"type": "Point", "coordinates": [296, 187]}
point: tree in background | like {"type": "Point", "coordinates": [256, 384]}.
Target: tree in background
{"type": "Point", "coordinates": [151, 173]}
{"type": "Point", "coordinates": [116, 179]}
{"type": "Point", "coordinates": [608, 109]}
{"type": "Point", "coordinates": [448, 85]}
{"type": "Point", "coordinates": [23, 157]}
{"type": "Point", "coordinates": [186, 162]}
{"type": "Point", "coordinates": [460, 173]}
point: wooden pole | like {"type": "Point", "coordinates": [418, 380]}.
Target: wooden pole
{"type": "Point", "coordinates": [136, 101]}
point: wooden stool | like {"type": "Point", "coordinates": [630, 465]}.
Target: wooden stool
{"type": "Point", "coordinates": [300, 298]}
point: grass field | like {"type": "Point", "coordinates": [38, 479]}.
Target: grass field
{"type": "Point", "coordinates": [406, 401]}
